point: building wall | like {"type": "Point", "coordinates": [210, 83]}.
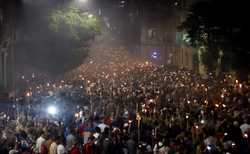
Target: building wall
{"type": "Point", "coordinates": [165, 39]}
{"type": "Point", "coordinates": [7, 39]}
{"type": "Point", "coordinates": [184, 57]}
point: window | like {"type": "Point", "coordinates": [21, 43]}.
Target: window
{"type": "Point", "coordinates": [151, 33]}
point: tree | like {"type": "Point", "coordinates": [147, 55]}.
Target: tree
{"type": "Point", "coordinates": [219, 26]}
{"type": "Point", "coordinates": [80, 25]}
{"type": "Point", "coordinates": [56, 36]}
{"type": "Point", "coordinates": [78, 28]}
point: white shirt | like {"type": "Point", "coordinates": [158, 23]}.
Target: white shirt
{"type": "Point", "coordinates": [244, 128]}
{"type": "Point", "coordinates": [53, 148]}
{"type": "Point", "coordinates": [96, 135]}
{"type": "Point", "coordinates": [102, 126]}
{"type": "Point", "coordinates": [70, 141]}
{"type": "Point", "coordinates": [210, 141]}
{"type": "Point", "coordinates": [13, 151]}
{"type": "Point", "coordinates": [61, 149]}
{"type": "Point", "coordinates": [39, 143]}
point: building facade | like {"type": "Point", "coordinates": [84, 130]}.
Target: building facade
{"type": "Point", "coordinates": [159, 37]}
{"type": "Point", "coordinates": [7, 39]}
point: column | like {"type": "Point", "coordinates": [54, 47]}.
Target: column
{"type": "Point", "coordinates": [4, 70]}
{"type": "Point", "coordinates": [1, 69]}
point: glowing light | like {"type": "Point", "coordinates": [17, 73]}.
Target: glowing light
{"type": "Point", "coordinates": [138, 117]}
{"type": "Point", "coordinates": [188, 102]}
{"type": "Point", "coordinates": [76, 115]}
{"type": "Point", "coordinates": [33, 75]}
{"type": "Point", "coordinates": [130, 121]}
{"type": "Point", "coordinates": [246, 135]}
{"type": "Point", "coordinates": [217, 105]}
{"type": "Point", "coordinates": [154, 55]}
{"type": "Point", "coordinates": [240, 85]}
{"type": "Point", "coordinates": [28, 94]}
{"type": "Point", "coordinates": [202, 121]}
{"type": "Point", "coordinates": [90, 16]}
{"type": "Point", "coordinates": [83, 1]}
{"type": "Point", "coordinates": [125, 125]}
{"type": "Point", "coordinates": [151, 101]}
{"type": "Point", "coordinates": [81, 113]}
{"type": "Point", "coordinates": [236, 81]}
{"type": "Point", "coordinates": [224, 105]}
{"type": "Point", "coordinates": [196, 126]}
{"type": "Point", "coordinates": [202, 112]}
{"type": "Point", "coordinates": [52, 110]}
{"type": "Point", "coordinates": [172, 118]}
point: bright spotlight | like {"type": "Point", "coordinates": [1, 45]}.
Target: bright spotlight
{"type": "Point", "coordinates": [52, 110]}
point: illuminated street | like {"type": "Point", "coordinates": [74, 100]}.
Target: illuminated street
{"type": "Point", "coordinates": [124, 77]}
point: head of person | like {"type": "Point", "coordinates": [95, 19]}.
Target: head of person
{"type": "Point", "coordinates": [97, 130]}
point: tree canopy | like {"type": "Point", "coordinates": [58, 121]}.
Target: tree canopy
{"type": "Point", "coordinates": [56, 36]}
{"type": "Point", "coordinates": [79, 24]}
{"type": "Point", "coordinates": [220, 26]}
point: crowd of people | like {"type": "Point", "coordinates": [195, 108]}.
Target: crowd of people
{"type": "Point", "coordinates": [119, 105]}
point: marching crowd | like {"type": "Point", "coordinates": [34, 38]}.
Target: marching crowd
{"type": "Point", "coordinates": [127, 107]}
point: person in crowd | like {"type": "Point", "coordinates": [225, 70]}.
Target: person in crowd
{"type": "Point", "coordinates": [40, 142]}
{"type": "Point", "coordinates": [61, 148]}
{"type": "Point", "coordinates": [131, 146]}
{"type": "Point", "coordinates": [70, 140]}
{"type": "Point", "coordinates": [166, 112]}
{"type": "Point", "coordinates": [53, 146]}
